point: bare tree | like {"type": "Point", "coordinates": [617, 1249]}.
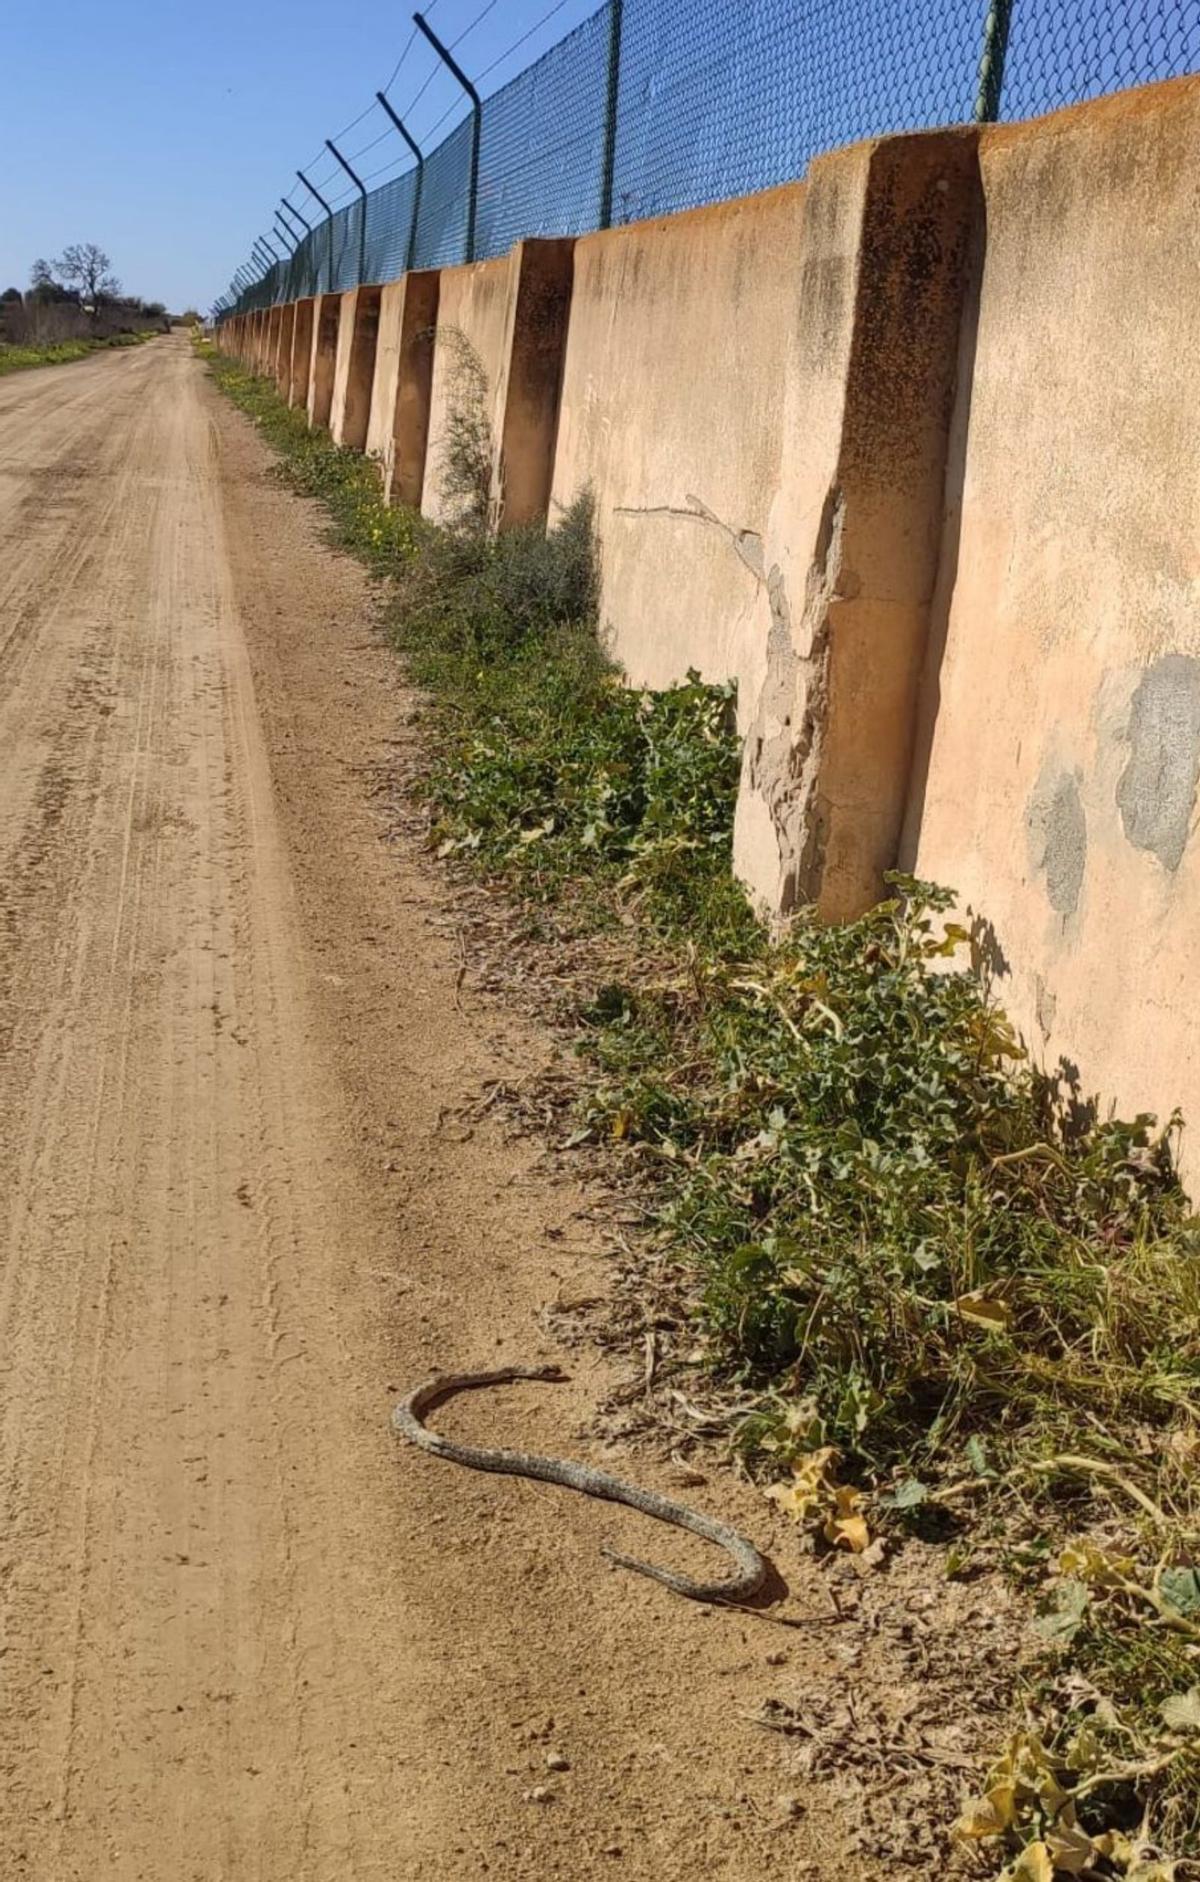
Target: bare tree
{"type": "Point", "coordinates": [86, 266]}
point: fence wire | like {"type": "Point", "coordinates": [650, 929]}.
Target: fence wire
{"type": "Point", "coordinates": [650, 107]}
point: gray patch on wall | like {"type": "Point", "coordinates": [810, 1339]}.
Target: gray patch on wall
{"type": "Point", "coordinates": [1157, 788]}
{"type": "Point", "coordinates": [1058, 836]}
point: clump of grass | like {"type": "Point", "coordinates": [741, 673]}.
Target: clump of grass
{"type": "Point", "coordinates": [889, 1217]}
{"type": "Point", "coordinates": [312, 465]}
{"type": "Point", "coordinates": [549, 771]}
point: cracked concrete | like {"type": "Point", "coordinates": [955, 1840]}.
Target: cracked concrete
{"type": "Point", "coordinates": [782, 759]}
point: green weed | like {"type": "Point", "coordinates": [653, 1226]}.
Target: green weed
{"type": "Point", "coordinates": [313, 466]}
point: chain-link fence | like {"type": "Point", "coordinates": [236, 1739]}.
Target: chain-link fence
{"type": "Point", "coordinates": [652, 106]}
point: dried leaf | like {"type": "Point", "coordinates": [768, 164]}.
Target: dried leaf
{"type": "Point", "coordinates": [1117, 1847]}
{"type": "Point", "coordinates": [809, 1491]}
{"type": "Point", "coordinates": [846, 1527]}
{"type": "Point", "coordinates": [1071, 1849]}
{"type": "Point", "coordinates": [985, 1310]}
{"type": "Point", "coordinates": [1063, 1619]}
{"type": "Point", "coordinates": [1032, 1865]}
{"type": "Point", "coordinates": [989, 1815]}
{"type": "Point", "coordinates": [1182, 1711]}
{"type": "Point", "coordinates": [1099, 1568]}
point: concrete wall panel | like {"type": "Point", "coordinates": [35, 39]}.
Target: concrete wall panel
{"type": "Point", "coordinates": [672, 409]}
{"type": "Point", "coordinates": [327, 311]}
{"type": "Point", "coordinates": [301, 362]}
{"type": "Point", "coordinates": [1055, 782]}
{"type": "Point", "coordinates": [471, 319]}
{"type": "Point", "coordinates": [400, 398]}
{"type": "Point", "coordinates": [354, 366]}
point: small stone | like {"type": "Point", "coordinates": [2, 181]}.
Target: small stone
{"type": "Point", "coordinates": [557, 1761]}
{"type": "Point", "coordinates": [612, 1849]}
{"type": "Point", "coordinates": [777, 1659]}
{"type": "Point", "coordinates": [789, 1806]}
{"type": "Point", "coordinates": [540, 1794]}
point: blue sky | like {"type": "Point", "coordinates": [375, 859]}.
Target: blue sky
{"type": "Point", "coordinates": [168, 132]}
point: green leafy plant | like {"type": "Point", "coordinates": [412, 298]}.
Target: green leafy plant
{"type": "Point", "coordinates": [885, 1208]}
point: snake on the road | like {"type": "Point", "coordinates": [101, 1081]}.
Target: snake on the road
{"type": "Point", "coordinates": [408, 1419]}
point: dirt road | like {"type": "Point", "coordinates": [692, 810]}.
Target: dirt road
{"type": "Point", "coordinates": [242, 1633]}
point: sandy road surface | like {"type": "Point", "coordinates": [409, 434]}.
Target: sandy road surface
{"type": "Point", "coordinates": [242, 1635]}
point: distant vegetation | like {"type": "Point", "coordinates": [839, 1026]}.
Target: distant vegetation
{"type": "Point", "coordinates": [72, 306]}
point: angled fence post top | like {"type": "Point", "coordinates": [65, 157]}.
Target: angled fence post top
{"type": "Point", "coordinates": [361, 187]}
{"type": "Point", "coordinates": [411, 251]}
{"type": "Point", "coordinates": [456, 70]}
{"type": "Point", "coordinates": [314, 192]}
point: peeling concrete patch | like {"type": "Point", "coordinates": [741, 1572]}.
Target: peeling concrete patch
{"type": "Point", "coordinates": [1045, 1006]}
{"type": "Point", "coordinates": [783, 747]}
{"type": "Point", "coordinates": [1157, 788]}
{"type": "Point", "coordinates": [1057, 831]}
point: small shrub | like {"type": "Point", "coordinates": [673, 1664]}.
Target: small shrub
{"type": "Point", "coordinates": [465, 470]}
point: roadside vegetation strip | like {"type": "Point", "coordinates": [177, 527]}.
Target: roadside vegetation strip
{"type": "Point", "coordinates": [960, 1301]}
{"type": "Point", "coordinates": [63, 352]}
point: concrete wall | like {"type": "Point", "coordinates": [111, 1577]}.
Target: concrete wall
{"type": "Point", "coordinates": [1056, 771]}
{"type": "Point", "coordinates": [301, 364]}
{"type": "Point", "coordinates": [283, 355]}
{"type": "Point", "coordinates": [908, 451]}
{"type": "Point", "coordinates": [472, 309]}
{"type": "Point", "coordinates": [758, 395]}
{"type": "Point", "coordinates": [852, 545]}
{"type": "Point", "coordinates": [529, 389]}
{"type": "Point", "coordinates": [354, 367]}
{"type": "Point", "coordinates": [400, 396]}
{"type": "Point", "coordinates": [326, 326]}
{"type": "Point", "coordinates": [672, 414]}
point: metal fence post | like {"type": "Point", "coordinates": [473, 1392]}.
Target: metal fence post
{"type": "Point", "coordinates": [303, 241]}
{"type": "Point", "coordinates": [294, 215]}
{"type": "Point", "coordinates": [361, 187]}
{"type": "Point", "coordinates": [285, 283]}
{"type": "Point", "coordinates": [410, 256]}
{"type": "Point", "coordinates": [476, 127]}
{"type": "Point", "coordinates": [329, 232]}
{"type": "Point", "coordinates": [273, 270]}
{"type": "Point", "coordinates": [616, 8]}
{"type": "Point", "coordinates": [991, 63]}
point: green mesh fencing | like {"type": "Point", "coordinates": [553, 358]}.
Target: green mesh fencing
{"type": "Point", "coordinates": [650, 107]}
